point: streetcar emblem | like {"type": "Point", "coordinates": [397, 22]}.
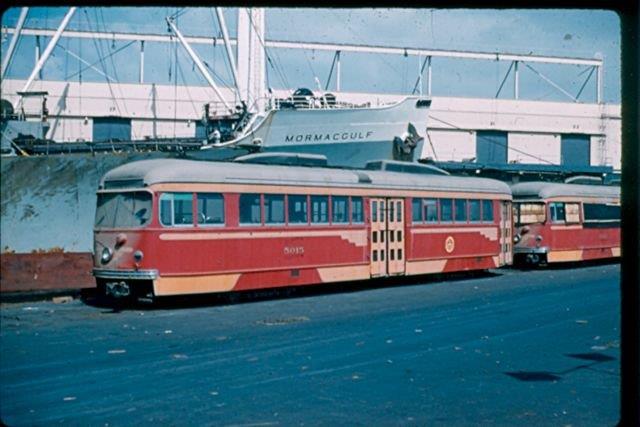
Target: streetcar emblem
{"type": "Point", "coordinates": [449, 244]}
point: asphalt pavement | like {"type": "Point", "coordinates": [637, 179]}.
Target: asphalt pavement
{"type": "Point", "coordinates": [506, 348]}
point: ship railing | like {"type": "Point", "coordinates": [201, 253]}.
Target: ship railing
{"type": "Point", "coordinates": [217, 108]}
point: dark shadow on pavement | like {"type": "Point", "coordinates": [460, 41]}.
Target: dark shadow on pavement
{"type": "Point", "coordinates": [595, 358]}
{"type": "Point", "coordinates": [240, 297]}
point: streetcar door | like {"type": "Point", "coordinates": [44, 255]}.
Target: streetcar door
{"type": "Point", "coordinates": [506, 245]}
{"type": "Point", "coordinates": [378, 258]}
{"type": "Point", "coordinates": [395, 236]}
{"type": "Point", "coordinates": [387, 237]}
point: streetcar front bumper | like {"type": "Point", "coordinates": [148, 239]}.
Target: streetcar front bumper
{"type": "Point", "coordinates": [119, 283]}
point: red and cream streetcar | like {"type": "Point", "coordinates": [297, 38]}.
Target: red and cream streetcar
{"type": "Point", "coordinates": [170, 227]}
{"type": "Point", "coordinates": [565, 222]}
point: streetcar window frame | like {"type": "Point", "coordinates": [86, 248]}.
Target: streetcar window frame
{"type": "Point", "coordinates": [449, 217]}
{"type": "Point", "coordinates": [601, 214]}
{"type": "Point", "coordinates": [417, 215]}
{"type": "Point", "coordinates": [139, 213]}
{"type": "Point", "coordinates": [356, 216]}
{"type": "Point", "coordinates": [218, 213]}
{"type": "Point", "coordinates": [340, 206]}
{"type": "Point", "coordinates": [269, 211]}
{"type": "Point", "coordinates": [572, 216]}
{"type": "Point", "coordinates": [169, 199]}
{"type": "Point", "coordinates": [478, 210]}
{"type": "Point", "coordinates": [295, 201]}
{"type": "Point", "coordinates": [460, 209]}
{"type": "Point", "coordinates": [249, 209]}
{"type": "Point", "coordinates": [319, 217]}
{"type": "Point", "coordinates": [487, 211]}
{"type": "Point", "coordinates": [557, 213]}
{"type": "Point", "coordinates": [429, 207]}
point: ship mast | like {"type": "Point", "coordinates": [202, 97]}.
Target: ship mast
{"type": "Point", "coordinates": [251, 58]}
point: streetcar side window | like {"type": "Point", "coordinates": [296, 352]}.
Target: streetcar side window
{"type": "Point", "coordinates": [557, 212]}
{"type": "Point", "coordinates": [319, 209]}
{"type": "Point", "coordinates": [529, 213]}
{"type": "Point", "coordinates": [210, 209]}
{"type": "Point", "coordinates": [416, 210]}
{"type": "Point", "coordinates": [340, 209]}
{"type": "Point", "coordinates": [374, 211]}
{"type": "Point", "coordinates": [297, 209]}
{"type": "Point", "coordinates": [176, 209]}
{"type": "Point", "coordinates": [430, 210]}
{"type": "Point", "coordinates": [474, 210]}
{"type": "Point", "coordinates": [572, 212]}
{"type": "Point", "coordinates": [461, 210]}
{"type": "Point", "coordinates": [250, 209]}
{"type": "Point", "coordinates": [274, 208]}
{"type": "Point", "coordinates": [446, 210]}
{"type": "Point", "coordinates": [601, 215]}
{"type": "Point", "coordinates": [487, 211]}
{"type": "Point", "coordinates": [357, 215]}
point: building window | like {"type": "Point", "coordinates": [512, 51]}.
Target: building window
{"type": "Point", "coordinates": [210, 208]}
{"type": "Point", "coordinates": [250, 209]}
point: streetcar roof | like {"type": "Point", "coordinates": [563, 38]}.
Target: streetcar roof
{"type": "Point", "coordinates": [545, 190]}
{"type": "Point", "coordinates": [149, 172]}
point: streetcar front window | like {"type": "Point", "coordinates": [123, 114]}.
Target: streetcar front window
{"type": "Point", "coordinates": [529, 213]}
{"type": "Point", "coordinates": [123, 210]}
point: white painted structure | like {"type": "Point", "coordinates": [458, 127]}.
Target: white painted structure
{"type": "Point", "coordinates": [534, 127]}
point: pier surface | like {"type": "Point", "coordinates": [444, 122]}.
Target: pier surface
{"type": "Point", "coordinates": [507, 348]}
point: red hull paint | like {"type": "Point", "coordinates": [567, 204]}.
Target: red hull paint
{"type": "Point", "coordinates": [46, 271]}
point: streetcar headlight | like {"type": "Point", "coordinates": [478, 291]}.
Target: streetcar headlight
{"type": "Point", "coordinates": [106, 255]}
{"type": "Point", "coordinates": [138, 255]}
{"type": "Point", "coordinates": [516, 238]}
